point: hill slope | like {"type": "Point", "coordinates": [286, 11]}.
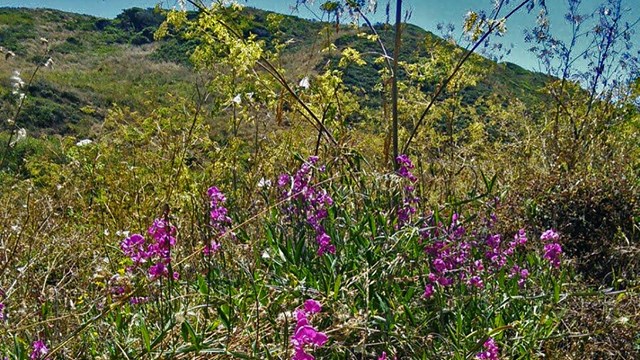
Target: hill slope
{"type": "Point", "coordinates": [101, 62]}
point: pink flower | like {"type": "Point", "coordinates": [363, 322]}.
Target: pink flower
{"type": "Point", "coordinates": [476, 281]}
{"type": "Point", "coordinates": [212, 248]}
{"type": "Point", "coordinates": [549, 235]}
{"type": "Point", "coordinates": [491, 351]}
{"type": "Point", "coordinates": [305, 334]}
{"type": "Point", "coordinates": [312, 306]}
{"type": "Point", "coordinates": [552, 252]}
{"type": "Point", "coordinates": [39, 350]}
{"type": "Point", "coordinates": [158, 270]}
{"type": "Point", "coordinates": [428, 291]}
{"type": "Point", "coordinates": [300, 354]}
{"type": "Point", "coordinates": [308, 335]}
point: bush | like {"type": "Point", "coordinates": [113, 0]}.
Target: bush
{"type": "Point", "coordinates": [597, 214]}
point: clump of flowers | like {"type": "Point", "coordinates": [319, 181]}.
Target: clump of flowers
{"type": "Point", "coordinates": [39, 350]}
{"type": "Point", "coordinates": [409, 200]}
{"type": "Point", "coordinates": [308, 200]}
{"type": "Point", "coordinates": [156, 253]}
{"type": "Point", "coordinates": [219, 221]}
{"type": "Point", "coordinates": [17, 84]}
{"type": "Point", "coordinates": [454, 256]}
{"type": "Point", "coordinates": [491, 350]}
{"type": "Point", "coordinates": [552, 249]}
{"type": "Point", "coordinates": [304, 334]}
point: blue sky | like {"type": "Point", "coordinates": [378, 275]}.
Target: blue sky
{"type": "Point", "coordinates": [425, 13]}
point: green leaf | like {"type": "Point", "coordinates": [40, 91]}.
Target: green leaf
{"type": "Point", "coordinates": [146, 339]}
{"type": "Point", "coordinates": [191, 335]}
{"type": "Point", "coordinates": [224, 317]}
{"type": "Point", "coordinates": [336, 287]}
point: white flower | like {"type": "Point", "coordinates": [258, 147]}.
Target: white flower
{"type": "Point", "coordinates": [237, 99]}
{"type": "Point", "coordinates": [21, 134]}
{"type": "Point", "coordinates": [264, 183]}
{"type": "Point", "coordinates": [304, 83]}
{"type": "Point", "coordinates": [16, 81]}
{"type": "Point", "coordinates": [84, 142]}
{"type": "Point", "coordinates": [49, 62]}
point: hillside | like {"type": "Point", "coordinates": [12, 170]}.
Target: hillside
{"type": "Point", "coordinates": [259, 200]}
{"type": "Point", "coordinates": [101, 62]}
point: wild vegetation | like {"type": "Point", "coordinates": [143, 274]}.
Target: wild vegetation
{"type": "Point", "coordinates": [260, 186]}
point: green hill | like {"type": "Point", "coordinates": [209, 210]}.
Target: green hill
{"type": "Point", "coordinates": [100, 62]}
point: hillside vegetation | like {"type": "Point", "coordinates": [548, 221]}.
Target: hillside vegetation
{"type": "Point", "coordinates": [232, 183]}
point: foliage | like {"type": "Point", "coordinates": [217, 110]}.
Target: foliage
{"type": "Point", "coordinates": [243, 207]}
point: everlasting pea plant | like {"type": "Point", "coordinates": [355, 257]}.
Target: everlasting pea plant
{"type": "Point", "coordinates": [305, 335]}
{"type": "Point", "coordinates": [309, 201]}
{"type": "Point", "coordinates": [220, 221]}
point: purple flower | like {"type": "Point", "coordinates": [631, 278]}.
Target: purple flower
{"type": "Point", "coordinates": [428, 291]}
{"type": "Point", "coordinates": [219, 221]}
{"type": "Point", "coordinates": [305, 334]}
{"type": "Point", "coordinates": [491, 351]}
{"type": "Point", "coordinates": [300, 354]}
{"type": "Point", "coordinates": [444, 281]}
{"type": "Point", "coordinates": [284, 180]}
{"type": "Point", "coordinates": [476, 281]}
{"type": "Point", "coordinates": [520, 238]}
{"type": "Point", "coordinates": [308, 201]}
{"type": "Point", "coordinates": [552, 253]}
{"type": "Point", "coordinates": [158, 270]}
{"type": "Point", "coordinates": [138, 300]}
{"type": "Point", "coordinates": [408, 207]}
{"type": "Point", "coordinates": [493, 241]}
{"type": "Point", "coordinates": [312, 306]}
{"type": "Point", "coordinates": [3, 316]}
{"type": "Point", "coordinates": [212, 248]}
{"type": "Point", "coordinates": [524, 274]}
{"type": "Point", "coordinates": [133, 247]}
{"type": "Point", "coordinates": [439, 265]}
{"type": "Point", "coordinates": [383, 356]}
{"type": "Point", "coordinates": [156, 252]}
{"type": "Point", "coordinates": [549, 235]}
{"type": "Point", "coordinates": [39, 350]}
{"type": "Point", "coordinates": [308, 335]}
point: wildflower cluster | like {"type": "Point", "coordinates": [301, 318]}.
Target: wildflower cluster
{"type": "Point", "coordinates": [491, 350]}
{"type": "Point", "coordinates": [39, 350]}
{"type": "Point", "coordinates": [305, 334]}
{"type": "Point", "coordinates": [157, 253]}
{"type": "Point", "coordinates": [17, 84]}
{"type": "Point", "coordinates": [552, 249]}
{"type": "Point", "coordinates": [308, 200]}
{"type": "Point", "coordinates": [219, 220]}
{"type": "Point", "coordinates": [454, 256]}
{"type": "Point", "coordinates": [409, 200]}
